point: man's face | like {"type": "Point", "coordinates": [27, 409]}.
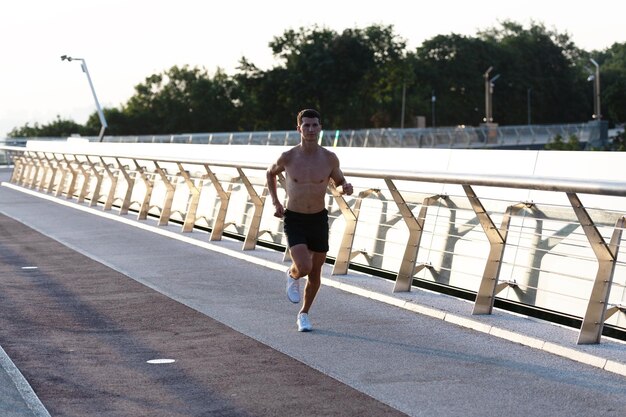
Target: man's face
{"type": "Point", "coordinates": [310, 128]}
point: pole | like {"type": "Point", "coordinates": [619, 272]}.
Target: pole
{"type": "Point", "coordinates": [103, 121]}
{"type": "Point", "coordinates": [433, 99]}
{"type": "Point", "coordinates": [403, 104]}
{"type": "Point", "coordinates": [596, 96]}
{"type": "Point", "coordinates": [528, 101]}
{"type": "Point", "coordinates": [83, 66]}
{"type": "Point", "coordinates": [487, 118]}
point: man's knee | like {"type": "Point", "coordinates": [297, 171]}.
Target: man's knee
{"type": "Point", "coordinates": [302, 268]}
{"type": "Point", "coordinates": [302, 262]}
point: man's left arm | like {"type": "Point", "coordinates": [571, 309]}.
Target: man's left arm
{"type": "Point", "coordinates": [340, 180]}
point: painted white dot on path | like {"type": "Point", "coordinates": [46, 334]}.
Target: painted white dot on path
{"type": "Point", "coordinates": [30, 267]}
{"type": "Point", "coordinates": [160, 361]}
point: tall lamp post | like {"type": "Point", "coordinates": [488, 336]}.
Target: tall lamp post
{"type": "Point", "coordinates": [83, 65]}
{"type": "Point", "coordinates": [403, 105]}
{"type": "Point", "coordinates": [489, 84]}
{"type": "Point", "coordinates": [597, 114]}
{"type": "Point", "coordinates": [528, 102]}
{"type": "Point", "coordinates": [433, 100]}
{"type": "Point", "coordinates": [487, 96]}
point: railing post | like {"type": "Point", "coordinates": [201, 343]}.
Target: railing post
{"type": "Point", "coordinates": [497, 242]}
{"type": "Point", "coordinates": [60, 184]}
{"type": "Point", "coordinates": [28, 167]}
{"type": "Point", "coordinates": [593, 321]}
{"type": "Point", "coordinates": [342, 260]}
{"type": "Point", "coordinates": [341, 267]}
{"type": "Point", "coordinates": [111, 195]}
{"type": "Point", "coordinates": [130, 184]}
{"type": "Point", "coordinates": [72, 185]}
{"type": "Point", "coordinates": [85, 187]}
{"type": "Point", "coordinates": [95, 195]}
{"type": "Point", "coordinates": [145, 204]}
{"type": "Point", "coordinates": [47, 169]}
{"type": "Point", "coordinates": [192, 206]}
{"type": "Point", "coordinates": [404, 278]}
{"type": "Point", "coordinates": [217, 229]}
{"type": "Point", "coordinates": [258, 201]}
{"type": "Point", "coordinates": [55, 165]}
{"type": "Point", "coordinates": [37, 165]}
{"type": "Point", "coordinates": [166, 210]}
{"type": "Point", "coordinates": [18, 167]}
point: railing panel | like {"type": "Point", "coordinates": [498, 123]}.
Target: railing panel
{"type": "Point", "coordinates": [513, 234]}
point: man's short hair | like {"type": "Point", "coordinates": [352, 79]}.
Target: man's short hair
{"type": "Point", "coordinates": [312, 113]}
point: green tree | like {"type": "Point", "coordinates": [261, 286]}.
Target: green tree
{"type": "Point", "coordinates": [182, 100]}
{"type": "Point", "coordinates": [619, 142]}
{"type": "Point", "coordinates": [350, 77]}
{"type": "Point", "coordinates": [533, 58]}
{"type": "Point", "coordinates": [557, 144]}
{"type": "Point", "coordinates": [57, 128]}
{"type": "Point", "coordinates": [356, 79]}
{"type": "Point", "coordinates": [452, 66]}
{"type": "Point", "coordinates": [544, 61]}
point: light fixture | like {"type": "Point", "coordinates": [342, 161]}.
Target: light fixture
{"type": "Point", "coordinates": [83, 65]}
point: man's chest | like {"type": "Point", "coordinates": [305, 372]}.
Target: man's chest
{"type": "Point", "coordinates": [309, 171]}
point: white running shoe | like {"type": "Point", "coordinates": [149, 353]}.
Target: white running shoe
{"type": "Point", "coordinates": [304, 325]}
{"type": "Point", "coordinates": [293, 289]}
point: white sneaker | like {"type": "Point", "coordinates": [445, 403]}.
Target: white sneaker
{"type": "Point", "coordinates": [293, 289]}
{"type": "Point", "coordinates": [304, 325]}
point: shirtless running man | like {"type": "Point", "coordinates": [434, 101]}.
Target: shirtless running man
{"type": "Point", "coordinates": [308, 168]}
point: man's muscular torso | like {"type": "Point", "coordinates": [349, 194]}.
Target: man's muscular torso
{"type": "Point", "coordinates": [307, 176]}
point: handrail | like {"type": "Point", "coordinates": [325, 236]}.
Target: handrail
{"type": "Point", "coordinates": [65, 174]}
{"type": "Point", "coordinates": [604, 187]}
{"type": "Point", "coordinates": [557, 184]}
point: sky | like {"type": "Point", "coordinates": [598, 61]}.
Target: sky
{"type": "Point", "coordinates": [125, 41]}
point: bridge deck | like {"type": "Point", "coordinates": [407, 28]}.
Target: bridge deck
{"type": "Point", "coordinates": [107, 296]}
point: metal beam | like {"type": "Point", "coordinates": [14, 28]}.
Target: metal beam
{"type": "Point", "coordinates": [166, 209]}
{"type": "Point", "coordinates": [149, 184]}
{"type": "Point", "coordinates": [217, 229]}
{"type": "Point", "coordinates": [108, 204]}
{"type": "Point", "coordinates": [404, 279]}
{"type": "Point", "coordinates": [593, 321]}
{"type": "Point", "coordinates": [486, 294]}
{"type": "Point", "coordinates": [342, 260]}
{"type": "Point", "coordinates": [192, 206]}
{"type": "Point", "coordinates": [130, 183]}
{"type": "Point", "coordinates": [258, 202]}
{"type": "Point", "coordinates": [85, 185]}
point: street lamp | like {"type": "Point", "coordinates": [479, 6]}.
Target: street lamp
{"type": "Point", "coordinates": [528, 102]}
{"type": "Point", "coordinates": [403, 104]}
{"type": "Point", "coordinates": [596, 90]}
{"type": "Point", "coordinates": [83, 65]}
{"type": "Point", "coordinates": [489, 84]}
{"type": "Point", "coordinates": [433, 100]}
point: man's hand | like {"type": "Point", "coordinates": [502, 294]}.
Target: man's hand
{"type": "Point", "coordinates": [279, 210]}
{"type": "Point", "coordinates": [346, 188]}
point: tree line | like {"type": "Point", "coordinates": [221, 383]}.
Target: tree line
{"type": "Point", "coordinates": [367, 78]}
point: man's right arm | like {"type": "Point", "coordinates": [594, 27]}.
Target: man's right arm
{"type": "Point", "coordinates": [275, 169]}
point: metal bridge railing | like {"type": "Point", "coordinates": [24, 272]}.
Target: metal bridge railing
{"type": "Point", "coordinates": [474, 232]}
{"type": "Point", "coordinates": [452, 137]}
{"type": "Point", "coordinates": [461, 137]}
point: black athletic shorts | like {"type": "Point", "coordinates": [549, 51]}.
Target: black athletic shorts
{"type": "Point", "coordinates": [310, 229]}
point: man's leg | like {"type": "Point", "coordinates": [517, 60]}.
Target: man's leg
{"type": "Point", "coordinates": [314, 281]}
{"type": "Point", "coordinates": [302, 263]}
{"type": "Point", "coordinates": [300, 267]}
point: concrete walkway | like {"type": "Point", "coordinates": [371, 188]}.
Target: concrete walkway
{"type": "Point", "coordinates": [208, 304]}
